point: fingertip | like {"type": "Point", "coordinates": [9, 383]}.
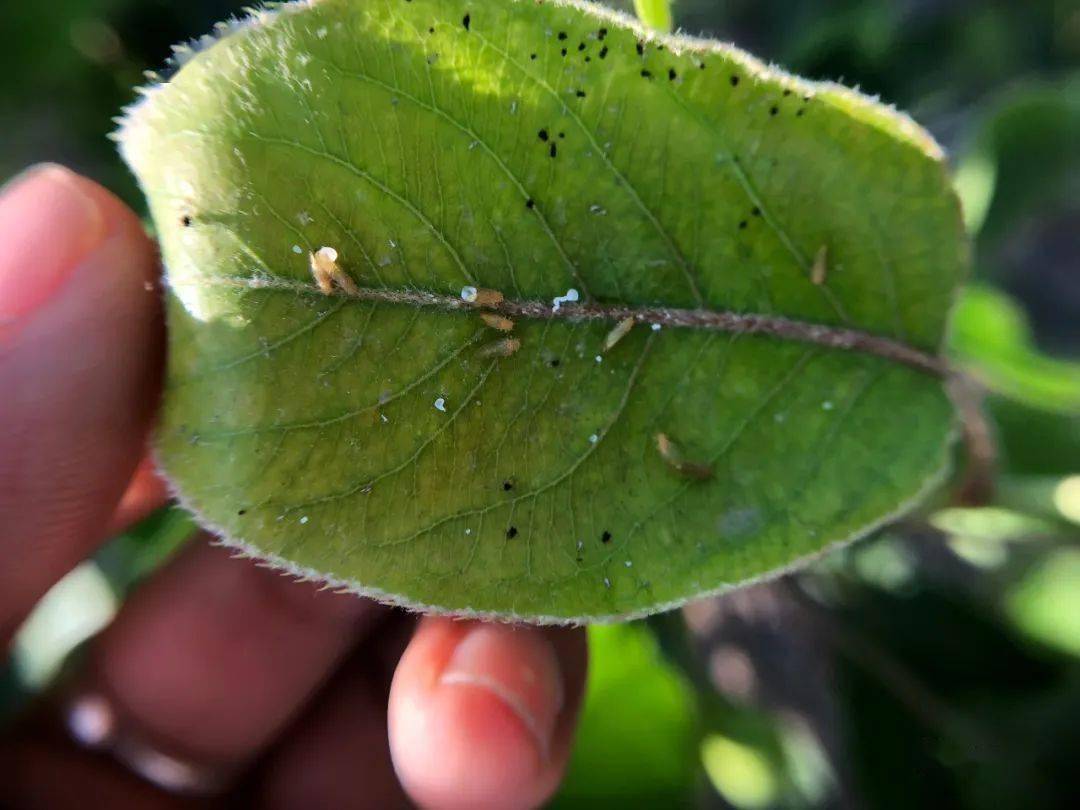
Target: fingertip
{"type": "Point", "coordinates": [146, 492]}
{"type": "Point", "coordinates": [481, 714]}
{"type": "Point", "coordinates": [81, 340]}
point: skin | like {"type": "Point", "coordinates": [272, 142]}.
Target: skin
{"type": "Point", "coordinates": [298, 698]}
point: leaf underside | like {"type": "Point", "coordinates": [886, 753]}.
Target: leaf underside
{"type": "Point", "coordinates": [401, 449]}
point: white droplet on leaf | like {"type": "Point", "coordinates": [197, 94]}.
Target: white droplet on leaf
{"type": "Point", "coordinates": [468, 294]}
{"type": "Point", "coordinates": [299, 251]}
{"type": "Point", "coordinates": [570, 297]}
{"type": "Point", "coordinates": [304, 519]}
{"type": "Point", "coordinates": [440, 404]}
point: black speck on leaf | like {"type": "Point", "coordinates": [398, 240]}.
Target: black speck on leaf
{"type": "Point", "coordinates": [672, 75]}
{"type": "Point", "coordinates": [542, 134]}
{"type": "Point", "coordinates": [508, 485]}
{"type": "Point", "coordinates": [562, 35]}
{"type": "Point", "coordinates": [580, 94]}
{"type": "Point", "coordinates": [554, 362]}
{"type": "Point", "coordinates": [601, 33]}
{"type": "Point", "coordinates": [554, 150]}
{"type": "Point", "coordinates": [787, 93]}
{"type": "Point", "coordinates": [532, 55]}
{"type": "Point", "coordinates": [640, 48]}
{"type": "Point", "coordinates": [242, 512]}
{"type": "Point", "coordinates": [605, 537]}
{"type": "Point", "coordinates": [465, 21]}
{"type": "Point", "coordinates": [799, 113]}
{"type": "Point", "coordinates": [431, 30]}
{"type": "Point", "coordinates": [742, 225]}
{"type": "Point", "coordinates": [773, 110]}
{"type": "Point", "coordinates": [734, 81]}
{"type": "Point", "coordinates": [603, 52]}
{"type": "Point", "coordinates": [588, 58]}
{"type": "Point", "coordinates": [581, 46]}
{"type": "Point", "coordinates": [756, 212]}
{"type": "Point", "coordinates": [185, 221]}
{"type": "Point", "coordinates": [511, 533]}
{"type": "Point", "coordinates": [562, 134]}
{"type": "Point", "coordinates": [647, 74]}
{"type": "Point", "coordinates": [529, 203]}
{"type": "Point", "coordinates": [563, 51]}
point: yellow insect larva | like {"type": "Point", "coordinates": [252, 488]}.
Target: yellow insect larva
{"type": "Point", "coordinates": [507, 347]}
{"type": "Point", "coordinates": [497, 322]}
{"type": "Point", "coordinates": [327, 272]}
{"type": "Point", "coordinates": [481, 296]}
{"type": "Point", "coordinates": [671, 455]}
{"type": "Point", "coordinates": [488, 298]}
{"type": "Point", "coordinates": [617, 333]}
{"type": "Point", "coordinates": [820, 266]}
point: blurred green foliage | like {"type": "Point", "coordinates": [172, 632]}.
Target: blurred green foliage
{"type": "Point", "coordinates": [950, 644]}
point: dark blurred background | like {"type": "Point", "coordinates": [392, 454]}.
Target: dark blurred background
{"type": "Point", "coordinates": [936, 664]}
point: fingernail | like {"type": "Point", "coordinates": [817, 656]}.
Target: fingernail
{"type": "Point", "coordinates": [48, 225]}
{"type": "Point", "coordinates": [518, 667]}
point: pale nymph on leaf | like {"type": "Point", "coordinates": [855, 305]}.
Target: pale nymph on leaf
{"type": "Point", "coordinates": [645, 212]}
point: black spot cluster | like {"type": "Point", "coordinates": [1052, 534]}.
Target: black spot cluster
{"type": "Point", "coordinates": [511, 532]}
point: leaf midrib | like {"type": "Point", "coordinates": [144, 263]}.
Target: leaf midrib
{"type": "Point", "coordinates": [792, 330]}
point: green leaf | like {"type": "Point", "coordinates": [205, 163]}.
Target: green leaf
{"type": "Point", "coordinates": [1046, 603]}
{"type": "Point", "coordinates": [991, 336]}
{"type": "Point", "coordinates": [637, 736]}
{"type": "Point", "coordinates": [1034, 398]}
{"type": "Point", "coordinates": [382, 436]}
{"type": "Point", "coordinates": [654, 13]}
